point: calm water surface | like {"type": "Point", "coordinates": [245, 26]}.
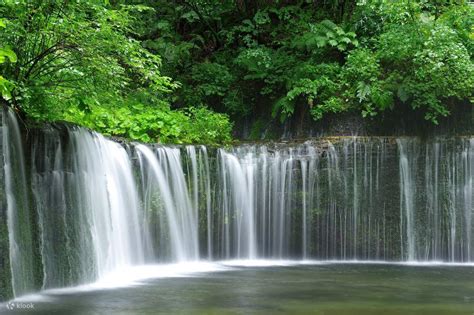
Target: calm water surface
{"type": "Point", "coordinates": [297, 289]}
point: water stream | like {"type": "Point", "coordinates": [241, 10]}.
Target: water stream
{"type": "Point", "coordinates": [81, 206]}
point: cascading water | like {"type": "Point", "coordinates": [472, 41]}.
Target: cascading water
{"type": "Point", "coordinates": [87, 205]}
{"type": "Point", "coordinates": [238, 177]}
{"type": "Point", "coordinates": [19, 219]}
{"type": "Point", "coordinates": [167, 200]}
{"type": "Point", "coordinates": [436, 205]}
{"type": "Point", "coordinates": [407, 191]}
{"type": "Point", "coordinates": [81, 206]}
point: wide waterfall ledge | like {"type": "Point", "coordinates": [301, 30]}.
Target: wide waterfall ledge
{"type": "Point", "coordinates": [82, 210]}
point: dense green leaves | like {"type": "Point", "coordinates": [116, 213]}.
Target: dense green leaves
{"type": "Point", "coordinates": [82, 61]}
{"type": "Point", "coordinates": [442, 70]}
{"type": "Point", "coordinates": [326, 34]}
{"type": "Point", "coordinates": [140, 123]}
{"type": "Point", "coordinates": [278, 59]}
{"type": "Point", "coordinates": [160, 70]}
{"type": "Point", "coordinates": [6, 54]}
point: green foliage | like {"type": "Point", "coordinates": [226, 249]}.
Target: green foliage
{"type": "Point", "coordinates": [398, 44]}
{"type": "Point", "coordinates": [366, 88]}
{"type": "Point", "coordinates": [214, 78]}
{"type": "Point", "coordinates": [427, 64]}
{"type": "Point", "coordinates": [461, 20]}
{"type": "Point", "coordinates": [206, 126]}
{"type": "Point", "coordinates": [265, 68]}
{"type": "Point", "coordinates": [6, 54]}
{"type": "Point", "coordinates": [68, 50]}
{"type": "Point", "coordinates": [82, 61]}
{"type": "Point", "coordinates": [257, 62]}
{"type": "Point", "coordinates": [213, 82]}
{"type": "Point", "coordinates": [326, 34]}
{"type": "Point", "coordinates": [140, 123]}
{"type": "Point", "coordinates": [157, 70]}
{"type": "Point", "coordinates": [443, 69]}
{"type": "Point", "coordinates": [317, 86]}
{"type": "Point", "coordinates": [423, 52]}
{"type": "Point", "coordinates": [302, 57]}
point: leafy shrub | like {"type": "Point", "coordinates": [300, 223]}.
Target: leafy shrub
{"type": "Point", "coordinates": [145, 124]}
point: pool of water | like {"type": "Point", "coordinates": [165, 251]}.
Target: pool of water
{"type": "Point", "coordinates": [266, 288]}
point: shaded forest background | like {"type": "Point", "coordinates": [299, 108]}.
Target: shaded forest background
{"type": "Point", "coordinates": [194, 71]}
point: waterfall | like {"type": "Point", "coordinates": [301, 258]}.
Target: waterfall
{"type": "Point", "coordinates": [88, 207]}
{"type": "Point", "coordinates": [75, 201]}
{"type": "Point", "coordinates": [107, 200]}
{"type": "Point", "coordinates": [20, 225]}
{"type": "Point", "coordinates": [407, 191]}
{"type": "Point", "coordinates": [238, 179]}
{"type": "Point", "coordinates": [80, 206]}
{"type": "Point", "coordinates": [167, 195]}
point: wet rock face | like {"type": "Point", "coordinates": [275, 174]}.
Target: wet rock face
{"type": "Point", "coordinates": [5, 270]}
{"type": "Point", "coordinates": [364, 197]}
{"type": "Point", "coordinates": [403, 121]}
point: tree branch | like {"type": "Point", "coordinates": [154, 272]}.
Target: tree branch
{"type": "Point", "coordinates": [195, 9]}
